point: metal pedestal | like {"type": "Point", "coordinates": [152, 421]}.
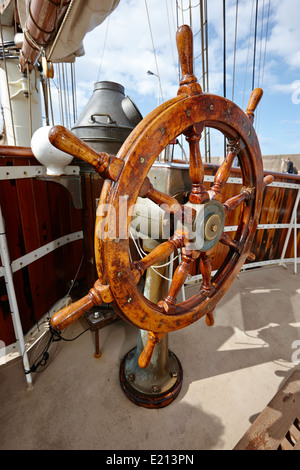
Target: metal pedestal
{"type": "Point", "coordinates": [157, 385]}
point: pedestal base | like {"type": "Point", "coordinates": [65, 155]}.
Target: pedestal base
{"type": "Point", "coordinates": [157, 385]}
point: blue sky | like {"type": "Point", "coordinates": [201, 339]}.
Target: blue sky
{"type": "Point", "coordinates": [127, 54]}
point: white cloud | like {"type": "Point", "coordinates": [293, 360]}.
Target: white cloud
{"type": "Point", "coordinates": [285, 35]}
{"type": "Point", "coordinates": [128, 53]}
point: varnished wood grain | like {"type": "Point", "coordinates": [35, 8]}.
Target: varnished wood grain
{"type": "Point", "coordinates": [108, 166]}
{"type": "Point", "coordinates": [198, 193]}
{"type": "Point", "coordinates": [147, 141]}
{"type": "Point", "coordinates": [69, 314]}
{"type": "Point", "coordinates": [223, 172]}
{"type": "Point", "coordinates": [254, 100]}
{"type": "Point", "coordinates": [188, 81]}
{"type": "Point", "coordinates": [179, 278]}
{"type": "Point", "coordinates": [146, 354]}
{"type": "Point", "coordinates": [165, 201]}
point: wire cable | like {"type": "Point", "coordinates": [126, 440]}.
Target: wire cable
{"type": "Point", "coordinates": [171, 36]}
{"type": "Point", "coordinates": [43, 357]}
{"type": "Point", "coordinates": [246, 72]}
{"type": "Point", "coordinates": [254, 52]}
{"type": "Point", "coordinates": [264, 61]}
{"type": "Point", "coordinates": [260, 42]}
{"type": "Point", "coordinates": [157, 70]}
{"type": "Point", "coordinates": [234, 53]}
{"type": "Point", "coordinates": [104, 45]}
{"type": "Point", "coordinates": [224, 48]}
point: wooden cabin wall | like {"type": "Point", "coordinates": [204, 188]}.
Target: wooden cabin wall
{"type": "Point", "coordinates": [91, 187]}
{"type": "Point", "coordinates": [277, 208]}
{"type": "Point", "coordinates": [36, 213]}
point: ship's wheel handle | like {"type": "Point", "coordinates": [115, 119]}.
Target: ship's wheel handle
{"type": "Point", "coordinates": [199, 224]}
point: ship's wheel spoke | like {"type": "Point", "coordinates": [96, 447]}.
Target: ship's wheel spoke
{"type": "Point", "coordinates": [160, 253]}
{"type": "Point", "coordinates": [228, 241]}
{"type": "Point", "coordinates": [234, 202]}
{"type": "Point", "coordinates": [235, 245]}
{"type": "Point", "coordinates": [198, 193]}
{"type": "Point", "coordinates": [179, 278]}
{"type": "Point", "coordinates": [205, 268]}
{"type": "Point", "coordinates": [165, 201]}
{"type": "Point", "coordinates": [222, 175]}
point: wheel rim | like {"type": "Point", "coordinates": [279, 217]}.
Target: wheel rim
{"type": "Point", "coordinates": [139, 153]}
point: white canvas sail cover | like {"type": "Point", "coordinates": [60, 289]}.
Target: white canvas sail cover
{"type": "Point", "coordinates": [84, 16]}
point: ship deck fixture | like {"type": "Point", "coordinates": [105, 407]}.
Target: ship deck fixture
{"type": "Point", "coordinates": [150, 374]}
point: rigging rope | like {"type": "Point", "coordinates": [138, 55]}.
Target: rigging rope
{"type": "Point", "coordinates": [260, 45]}
{"type": "Point", "coordinates": [245, 81]}
{"type": "Point", "coordinates": [61, 28]}
{"type": "Point", "coordinates": [224, 63]}
{"type": "Point", "coordinates": [266, 40]}
{"type": "Point", "coordinates": [157, 70]}
{"type": "Point", "coordinates": [264, 61]}
{"type": "Point", "coordinates": [171, 36]}
{"type": "Point", "coordinates": [254, 52]}
{"type": "Point", "coordinates": [189, 7]}
{"type": "Point", "coordinates": [74, 92]}
{"type": "Point", "coordinates": [104, 45]}
{"type": "Point", "coordinates": [235, 41]}
{"type": "Point", "coordinates": [224, 47]}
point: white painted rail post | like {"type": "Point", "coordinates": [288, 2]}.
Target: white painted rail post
{"type": "Point", "coordinates": [293, 225]}
{"type": "Point", "coordinates": [8, 275]}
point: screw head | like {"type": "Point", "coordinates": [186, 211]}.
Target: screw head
{"type": "Point", "coordinates": [155, 389]}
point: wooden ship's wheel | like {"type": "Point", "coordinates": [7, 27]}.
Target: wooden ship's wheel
{"type": "Point", "coordinates": [198, 224]}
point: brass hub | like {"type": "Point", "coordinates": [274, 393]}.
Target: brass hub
{"type": "Point", "coordinates": [212, 227]}
{"type": "Point", "coordinates": [207, 226]}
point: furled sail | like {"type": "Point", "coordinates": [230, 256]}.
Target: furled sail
{"type": "Point", "coordinates": [57, 27]}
